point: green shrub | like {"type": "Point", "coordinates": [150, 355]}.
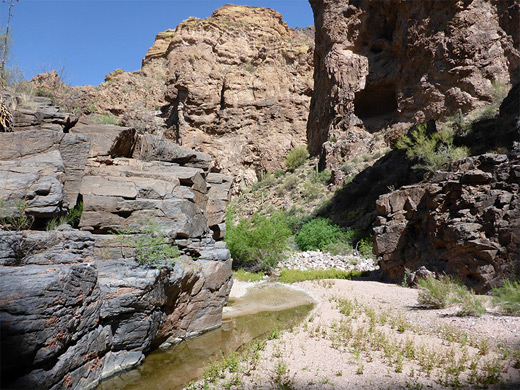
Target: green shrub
{"type": "Point", "coordinates": [297, 217]}
{"type": "Point", "coordinates": [151, 245]}
{"type": "Point", "coordinates": [72, 218]}
{"type": "Point", "coordinates": [290, 183]}
{"type": "Point", "coordinates": [318, 233]}
{"type": "Point", "coordinates": [13, 215]}
{"type": "Point", "coordinates": [446, 291]}
{"type": "Point", "coordinates": [266, 180]}
{"type": "Point", "coordinates": [432, 151]}
{"type": "Point", "coordinates": [365, 247]}
{"type": "Point", "coordinates": [435, 293]}
{"type": "Point", "coordinates": [296, 157]}
{"type": "Point", "coordinates": [295, 275]}
{"type": "Point", "coordinates": [311, 190]}
{"type": "Point", "coordinates": [279, 173]}
{"type": "Point", "coordinates": [259, 241]}
{"type": "Point", "coordinates": [507, 297]}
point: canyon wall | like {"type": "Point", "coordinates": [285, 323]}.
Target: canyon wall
{"type": "Point", "coordinates": [76, 305]}
{"type": "Point", "coordinates": [381, 66]}
{"type": "Point", "coordinates": [235, 85]}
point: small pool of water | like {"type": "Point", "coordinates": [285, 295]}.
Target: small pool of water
{"type": "Point", "coordinates": [263, 307]}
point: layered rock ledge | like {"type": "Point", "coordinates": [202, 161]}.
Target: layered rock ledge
{"type": "Point", "coordinates": [75, 305]}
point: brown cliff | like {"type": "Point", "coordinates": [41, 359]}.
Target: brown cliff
{"type": "Point", "coordinates": [388, 64]}
{"type": "Point", "coordinates": [236, 85]}
{"type": "Point", "coordinates": [239, 88]}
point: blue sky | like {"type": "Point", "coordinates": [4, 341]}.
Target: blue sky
{"type": "Point", "coordinates": [90, 38]}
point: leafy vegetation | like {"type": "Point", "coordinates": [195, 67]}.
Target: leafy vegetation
{"type": "Point", "coordinates": [258, 242]}
{"type": "Point", "coordinates": [318, 233]}
{"type": "Point", "coordinates": [152, 246]}
{"type": "Point", "coordinates": [13, 215]}
{"type": "Point", "coordinates": [72, 218]}
{"type": "Point", "coordinates": [432, 150]}
{"type": "Point", "coordinates": [445, 291]}
{"type": "Point", "coordinates": [507, 297]}
{"type": "Point", "coordinates": [296, 157]}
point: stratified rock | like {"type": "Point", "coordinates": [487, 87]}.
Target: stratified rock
{"type": "Point", "coordinates": [218, 196]}
{"type": "Point", "coordinates": [151, 147]}
{"type": "Point", "coordinates": [41, 115]}
{"type": "Point", "coordinates": [67, 323]}
{"type": "Point", "coordinates": [42, 168]}
{"type": "Point", "coordinates": [394, 63]}
{"type": "Point", "coordinates": [466, 223]}
{"type": "Point", "coordinates": [106, 140]}
{"type": "Point", "coordinates": [130, 192]}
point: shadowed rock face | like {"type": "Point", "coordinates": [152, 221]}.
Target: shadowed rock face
{"type": "Point", "coordinates": [466, 222]}
{"type": "Point", "coordinates": [68, 320]}
{"type": "Point", "coordinates": [394, 63]}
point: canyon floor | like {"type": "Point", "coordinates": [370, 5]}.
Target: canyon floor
{"type": "Point", "coordinates": [370, 335]}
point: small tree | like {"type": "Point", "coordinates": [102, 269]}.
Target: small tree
{"type": "Point", "coordinates": [5, 38]}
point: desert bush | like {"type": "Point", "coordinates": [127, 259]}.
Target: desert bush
{"type": "Point", "coordinates": [340, 247]}
{"type": "Point", "coordinates": [13, 215]}
{"type": "Point", "coordinates": [435, 293]}
{"type": "Point", "coordinates": [266, 180]}
{"type": "Point", "coordinates": [507, 297]}
{"type": "Point", "coordinates": [365, 247]}
{"type": "Point", "coordinates": [72, 218]}
{"type": "Point", "coordinates": [290, 183]}
{"type": "Point", "coordinates": [105, 119]}
{"type": "Point", "coordinates": [432, 151]}
{"type": "Point", "coordinates": [318, 233]}
{"type": "Point", "coordinates": [258, 242]}
{"type": "Point", "coordinates": [311, 190]}
{"type": "Point", "coordinates": [152, 246]}
{"type": "Point", "coordinates": [446, 291]}
{"type": "Point", "coordinates": [296, 157]}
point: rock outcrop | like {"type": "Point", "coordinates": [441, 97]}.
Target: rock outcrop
{"type": "Point", "coordinates": [69, 321]}
{"type": "Point", "coordinates": [239, 87]}
{"type": "Point", "coordinates": [75, 306]}
{"type": "Point", "coordinates": [389, 64]}
{"type": "Point", "coordinates": [465, 222]}
{"type": "Point", "coordinates": [236, 85]}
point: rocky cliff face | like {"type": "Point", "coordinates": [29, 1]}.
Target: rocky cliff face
{"type": "Point", "coordinates": [388, 64]}
{"type": "Point", "coordinates": [465, 222]}
{"type": "Point", "coordinates": [75, 306]}
{"type": "Point", "coordinates": [239, 87]}
{"type": "Point", "coordinates": [236, 85]}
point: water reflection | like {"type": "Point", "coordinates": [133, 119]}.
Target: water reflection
{"type": "Point", "coordinates": [174, 368]}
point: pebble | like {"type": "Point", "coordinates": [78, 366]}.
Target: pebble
{"type": "Point", "coordinates": [319, 260]}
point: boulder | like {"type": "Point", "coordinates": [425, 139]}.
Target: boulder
{"type": "Point", "coordinates": [106, 140]}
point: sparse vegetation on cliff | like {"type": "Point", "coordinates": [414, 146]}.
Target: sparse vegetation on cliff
{"type": "Point", "coordinates": [296, 157]}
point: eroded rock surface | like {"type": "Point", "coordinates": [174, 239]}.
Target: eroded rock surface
{"type": "Point", "coordinates": [239, 85]}
{"type": "Point", "coordinates": [390, 64]}
{"type": "Point", "coordinates": [68, 321]}
{"type": "Point", "coordinates": [466, 222]}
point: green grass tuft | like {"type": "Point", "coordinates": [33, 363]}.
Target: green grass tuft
{"type": "Point", "coordinates": [295, 275]}
{"type": "Point", "coordinates": [507, 297]}
{"type": "Point", "coordinates": [245, 276]}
